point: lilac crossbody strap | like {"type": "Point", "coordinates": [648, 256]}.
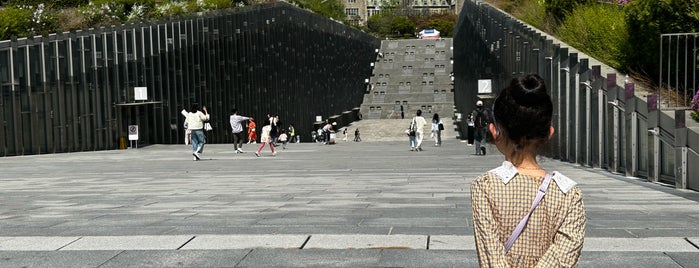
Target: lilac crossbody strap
{"type": "Point", "coordinates": [539, 195]}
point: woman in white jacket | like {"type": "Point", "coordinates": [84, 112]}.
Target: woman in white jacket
{"type": "Point", "coordinates": [436, 132]}
{"type": "Point", "coordinates": [266, 138]}
{"type": "Point", "coordinates": [195, 123]}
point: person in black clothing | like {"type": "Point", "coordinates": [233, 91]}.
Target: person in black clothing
{"type": "Point", "coordinates": [481, 121]}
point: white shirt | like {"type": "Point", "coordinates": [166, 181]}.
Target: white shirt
{"type": "Point", "coordinates": [196, 120]}
{"type": "Point", "coordinates": [419, 123]}
{"type": "Point", "coordinates": [235, 122]}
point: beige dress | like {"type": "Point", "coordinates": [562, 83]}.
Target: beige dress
{"type": "Point", "coordinates": [554, 234]}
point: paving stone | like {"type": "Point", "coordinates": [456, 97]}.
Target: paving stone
{"type": "Point", "coordinates": [685, 259]}
{"type": "Point", "coordinates": [323, 258]}
{"type": "Point", "coordinates": [177, 258]}
{"type": "Point", "coordinates": [345, 189]}
{"type": "Point", "coordinates": [35, 243]}
{"type": "Point", "coordinates": [43, 259]}
{"type": "Point", "coordinates": [657, 244]}
{"type": "Point", "coordinates": [366, 242]}
{"type": "Point", "coordinates": [428, 258]}
{"type": "Point", "coordinates": [144, 242]}
{"type": "Point", "coordinates": [626, 259]}
{"type": "Point", "coordinates": [451, 242]}
{"type": "Point", "coordinates": [246, 241]}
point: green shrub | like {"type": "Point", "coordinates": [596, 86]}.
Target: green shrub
{"type": "Point", "coordinates": [170, 9]}
{"type": "Point", "coordinates": [217, 4]}
{"type": "Point", "coordinates": [559, 9]}
{"type": "Point", "coordinates": [599, 31]}
{"type": "Point", "coordinates": [533, 12]}
{"type": "Point", "coordinates": [14, 22]}
{"type": "Point", "coordinates": [647, 20]}
{"type": "Point", "coordinates": [103, 14]}
{"type": "Point", "coordinates": [54, 4]}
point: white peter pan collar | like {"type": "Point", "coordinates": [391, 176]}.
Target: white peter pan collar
{"type": "Point", "coordinates": [508, 171]}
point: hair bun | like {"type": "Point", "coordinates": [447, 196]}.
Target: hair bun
{"type": "Point", "coordinates": [528, 90]}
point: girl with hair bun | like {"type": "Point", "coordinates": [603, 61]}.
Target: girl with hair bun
{"type": "Point", "coordinates": [524, 216]}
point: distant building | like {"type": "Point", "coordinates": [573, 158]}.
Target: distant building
{"type": "Point", "coordinates": [358, 11]}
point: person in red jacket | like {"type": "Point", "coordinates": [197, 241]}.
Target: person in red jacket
{"type": "Point", "coordinates": [252, 132]}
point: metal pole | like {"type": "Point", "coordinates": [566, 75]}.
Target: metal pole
{"type": "Point", "coordinates": [660, 75]}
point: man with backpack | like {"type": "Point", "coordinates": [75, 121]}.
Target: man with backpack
{"type": "Point", "coordinates": [481, 121]}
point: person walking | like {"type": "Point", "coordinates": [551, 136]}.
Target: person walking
{"type": "Point", "coordinates": [292, 134]}
{"type": "Point", "coordinates": [327, 128]}
{"type": "Point", "coordinates": [266, 138]}
{"type": "Point", "coordinates": [357, 138]}
{"type": "Point", "coordinates": [276, 129]}
{"type": "Point", "coordinates": [420, 123]}
{"type": "Point", "coordinates": [237, 130]}
{"type": "Point", "coordinates": [411, 135]}
{"type": "Point", "coordinates": [187, 131]}
{"type": "Point", "coordinates": [195, 123]}
{"type": "Point", "coordinates": [481, 121]}
{"type": "Point", "coordinates": [471, 127]}
{"type": "Point", "coordinates": [524, 216]}
{"type": "Point", "coordinates": [252, 131]}
{"type": "Point", "coordinates": [436, 130]}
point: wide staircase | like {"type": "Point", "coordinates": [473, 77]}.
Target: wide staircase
{"type": "Point", "coordinates": [408, 75]}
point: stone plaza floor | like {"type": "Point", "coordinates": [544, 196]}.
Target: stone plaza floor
{"type": "Point", "coordinates": [352, 204]}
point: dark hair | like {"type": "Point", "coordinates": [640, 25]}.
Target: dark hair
{"type": "Point", "coordinates": [195, 107]}
{"type": "Point", "coordinates": [523, 111]}
{"type": "Point", "coordinates": [234, 111]}
{"type": "Point", "coordinates": [419, 112]}
{"type": "Point", "coordinates": [435, 117]}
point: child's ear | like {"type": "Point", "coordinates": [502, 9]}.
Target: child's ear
{"type": "Point", "coordinates": [551, 131]}
{"type": "Point", "coordinates": [493, 131]}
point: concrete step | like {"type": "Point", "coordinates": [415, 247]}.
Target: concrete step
{"type": "Point", "coordinates": [394, 129]}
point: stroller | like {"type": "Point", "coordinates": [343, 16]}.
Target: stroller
{"type": "Point", "coordinates": [318, 136]}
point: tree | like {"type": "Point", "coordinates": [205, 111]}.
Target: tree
{"type": "Point", "coordinates": [646, 20]}
{"type": "Point", "coordinates": [402, 25]}
{"type": "Point", "coordinates": [380, 23]}
{"type": "Point", "coordinates": [444, 23]}
{"type": "Point", "coordinates": [327, 8]}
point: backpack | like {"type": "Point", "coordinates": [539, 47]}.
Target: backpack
{"type": "Point", "coordinates": [481, 120]}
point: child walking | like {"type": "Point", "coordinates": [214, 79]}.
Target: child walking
{"type": "Point", "coordinates": [284, 138]}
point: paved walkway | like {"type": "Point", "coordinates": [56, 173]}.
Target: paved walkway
{"type": "Point", "coordinates": [353, 204]}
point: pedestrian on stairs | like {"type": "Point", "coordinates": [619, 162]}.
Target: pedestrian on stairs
{"type": "Point", "coordinates": [420, 123]}
{"type": "Point", "coordinates": [436, 130]}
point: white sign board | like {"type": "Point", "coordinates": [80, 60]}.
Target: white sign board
{"type": "Point", "coordinates": [133, 132]}
{"type": "Point", "coordinates": [141, 93]}
{"type": "Point", "coordinates": [319, 118]}
{"type": "Point", "coordinates": [485, 86]}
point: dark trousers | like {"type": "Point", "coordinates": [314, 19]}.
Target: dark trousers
{"type": "Point", "coordinates": [326, 134]}
{"type": "Point", "coordinates": [238, 140]}
{"type": "Point", "coordinates": [470, 134]}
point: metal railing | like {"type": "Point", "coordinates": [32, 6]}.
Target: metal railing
{"type": "Point", "coordinates": [600, 122]}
